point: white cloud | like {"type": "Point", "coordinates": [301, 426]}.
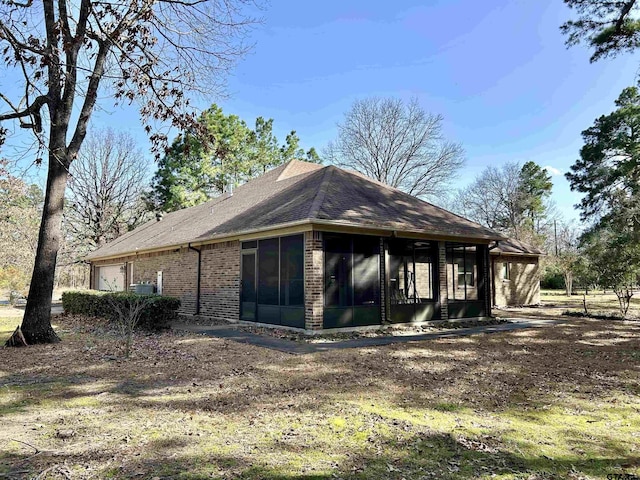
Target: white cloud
{"type": "Point", "coordinates": [552, 170]}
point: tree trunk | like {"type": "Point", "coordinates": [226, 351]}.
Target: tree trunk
{"type": "Point", "coordinates": [568, 283]}
{"type": "Point", "coordinates": [36, 325]}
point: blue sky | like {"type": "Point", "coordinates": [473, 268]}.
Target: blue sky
{"type": "Point", "coordinates": [497, 70]}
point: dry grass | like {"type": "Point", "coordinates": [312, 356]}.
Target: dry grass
{"type": "Point", "coordinates": [556, 402]}
{"type": "Point", "coordinates": [597, 301]}
{"type": "Point", "coordinates": [553, 303]}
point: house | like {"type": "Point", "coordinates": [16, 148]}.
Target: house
{"type": "Point", "coordinates": [312, 247]}
{"type": "Point", "coordinates": [515, 273]}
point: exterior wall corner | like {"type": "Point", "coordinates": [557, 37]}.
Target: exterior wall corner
{"type": "Point", "coordinates": [313, 281]}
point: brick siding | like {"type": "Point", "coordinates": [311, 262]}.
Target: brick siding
{"type": "Point", "coordinates": [523, 287]}
{"type": "Point", "coordinates": [313, 281]}
{"type": "Point", "coordinates": [220, 281]}
{"type": "Point", "coordinates": [179, 273]}
{"type": "Point", "coordinates": [220, 277]}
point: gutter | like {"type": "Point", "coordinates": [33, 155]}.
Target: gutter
{"type": "Point", "coordinates": [305, 225]}
{"type": "Point", "coordinates": [199, 251]}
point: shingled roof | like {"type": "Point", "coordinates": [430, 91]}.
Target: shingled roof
{"type": "Point", "coordinates": [511, 246]}
{"type": "Point", "coordinates": [297, 193]}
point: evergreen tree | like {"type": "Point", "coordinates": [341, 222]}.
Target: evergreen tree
{"type": "Point", "coordinates": [196, 169]}
{"type": "Point", "coordinates": [510, 199]}
{"type": "Point", "coordinates": [608, 170]}
{"type": "Point", "coordinates": [607, 26]}
{"type": "Point", "coordinates": [534, 187]}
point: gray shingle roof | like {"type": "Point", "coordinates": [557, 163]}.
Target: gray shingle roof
{"type": "Point", "coordinates": [297, 192]}
{"type": "Point", "coordinates": [511, 246]}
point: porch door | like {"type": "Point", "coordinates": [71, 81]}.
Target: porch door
{"type": "Point", "coordinates": [248, 286]}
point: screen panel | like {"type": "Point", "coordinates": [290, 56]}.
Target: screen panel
{"type": "Point", "coordinates": [366, 276]}
{"type": "Point", "coordinates": [268, 271]}
{"type": "Point", "coordinates": [292, 271]}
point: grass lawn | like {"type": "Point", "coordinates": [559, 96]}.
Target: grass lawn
{"type": "Point", "coordinates": [554, 402]}
{"type": "Point", "coordinates": [597, 301]}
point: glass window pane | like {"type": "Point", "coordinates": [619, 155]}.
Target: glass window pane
{"type": "Point", "coordinates": [366, 260]}
{"type": "Point", "coordinates": [268, 266]}
{"type": "Point", "coordinates": [463, 267]}
{"type": "Point", "coordinates": [292, 271]}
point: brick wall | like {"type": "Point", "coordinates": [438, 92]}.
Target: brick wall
{"type": "Point", "coordinates": [523, 287]}
{"type": "Point", "coordinates": [220, 277]}
{"type": "Point", "coordinates": [179, 273]}
{"type": "Point", "coordinates": [313, 280]}
{"type": "Point", "coordinates": [442, 273]}
{"type": "Point", "coordinates": [220, 281]}
{"type": "Point", "coordinates": [423, 279]}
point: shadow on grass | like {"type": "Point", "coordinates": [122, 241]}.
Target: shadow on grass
{"type": "Point", "coordinates": [424, 455]}
{"type": "Point", "coordinates": [516, 375]}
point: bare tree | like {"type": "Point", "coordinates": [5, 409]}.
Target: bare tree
{"type": "Point", "coordinates": [503, 198]}
{"type": "Point", "coordinates": [568, 256]}
{"type": "Point", "coordinates": [397, 143]}
{"type": "Point", "coordinates": [104, 198]}
{"type": "Point", "coordinates": [71, 55]}
{"type": "Point", "coordinates": [493, 199]}
{"type": "Point", "coordinates": [126, 310]}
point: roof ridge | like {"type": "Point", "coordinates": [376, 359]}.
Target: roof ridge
{"type": "Point", "coordinates": [286, 166]}
{"type": "Point", "coordinates": [322, 191]}
{"type": "Point", "coordinates": [402, 192]}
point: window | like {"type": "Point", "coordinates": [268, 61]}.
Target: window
{"type": "Point", "coordinates": [506, 271]}
{"type": "Point", "coordinates": [462, 269]}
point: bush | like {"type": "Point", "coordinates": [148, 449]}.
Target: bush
{"type": "Point", "coordinates": [158, 313]}
{"type": "Point", "coordinates": [552, 280]}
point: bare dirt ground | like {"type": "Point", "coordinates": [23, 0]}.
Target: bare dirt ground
{"type": "Point", "coordinates": [553, 402]}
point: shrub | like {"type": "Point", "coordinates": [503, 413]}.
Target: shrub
{"type": "Point", "coordinates": [552, 280]}
{"type": "Point", "coordinates": [158, 312]}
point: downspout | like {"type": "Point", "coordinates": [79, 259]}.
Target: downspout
{"type": "Point", "coordinates": [199, 251]}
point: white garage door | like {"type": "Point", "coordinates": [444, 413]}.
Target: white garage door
{"type": "Point", "coordinates": [111, 278]}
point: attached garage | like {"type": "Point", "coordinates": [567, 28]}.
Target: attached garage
{"type": "Point", "coordinates": [110, 277]}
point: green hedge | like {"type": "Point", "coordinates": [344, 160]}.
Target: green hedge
{"type": "Point", "coordinates": [157, 315]}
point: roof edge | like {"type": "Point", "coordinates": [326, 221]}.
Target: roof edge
{"type": "Point", "coordinates": [195, 243]}
{"type": "Point", "coordinates": [308, 221]}
{"type": "Point", "coordinates": [497, 253]}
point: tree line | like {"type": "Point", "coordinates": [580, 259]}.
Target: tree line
{"type": "Point", "coordinates": [68, 61]}
{"type": "Point", "coordinates": [399, 143]}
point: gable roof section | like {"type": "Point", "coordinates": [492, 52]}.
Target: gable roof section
{"type": "Point", "coordinates": [297, 192]}
{"type": "Point", "coordinates": [511, 246]}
